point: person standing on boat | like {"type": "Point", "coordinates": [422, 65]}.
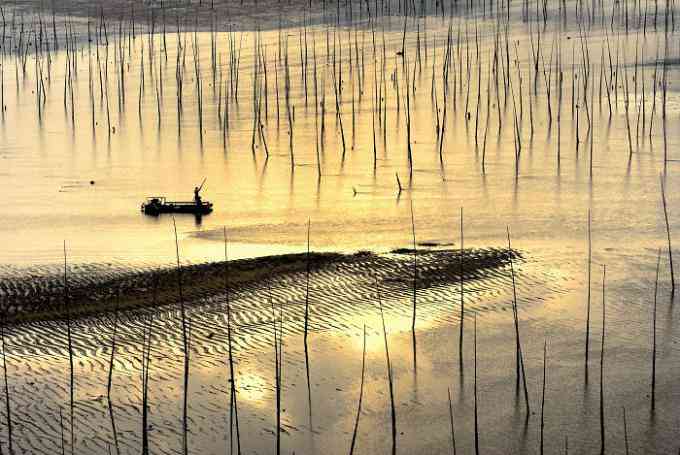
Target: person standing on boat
{"type": "Point", "coordinates": [197, 196]}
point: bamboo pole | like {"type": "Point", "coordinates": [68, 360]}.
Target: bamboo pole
{"type": "Point", "coordinates": [389, 373]}
{"type": "Point", "coordinates": [656, 287]}
{"type": "Point", "coordinates": [233, 403]}
{"type": "Point", "coordinates": [668, 234]}
{"type": "Point", "coordinates": [602, 427]}
{"type": "Point", "coordinates": [7, 399]}
{"type": "Point", "coordinates": [361, 396]}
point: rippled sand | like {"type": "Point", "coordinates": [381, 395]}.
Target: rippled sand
{"type": "Point", "coordinates": [342, 299]}
{"type": "Point", "coordinates": [88, 293]}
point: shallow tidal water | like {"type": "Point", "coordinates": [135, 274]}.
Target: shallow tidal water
{"type": "Point", "coordinates": [265, 203]}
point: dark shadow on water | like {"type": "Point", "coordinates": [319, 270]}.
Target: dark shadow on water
{"type": "Point", "coordinates": [524, 433]}
{"type": "Point", "coordinates": [485, 189]}
{"type": "Point", "coordinates": [263, 172]}
{"type": "Point", "coordinates": [669, 317]}
{"type": "Point", "coordinates": [415, 355]}
{"type": "Point", "coordinates": [317, 199]}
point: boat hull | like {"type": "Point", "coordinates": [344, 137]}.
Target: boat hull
{"type": "Point", "coordinates": [177, 207]}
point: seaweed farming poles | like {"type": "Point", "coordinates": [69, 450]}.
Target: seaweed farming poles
{"type": "Point", "coordinates": [491, 46]}
{"type": "Point", "coordinates": [476, 416]}
{"type": "Point", "coordinates": [668, 234]}
{"type": "Point", "coordinates": [306, 328]}
{"type": "Point", "coordinates": [233, 402]}
{"type": "Point", "coordinates": [277, 324]}
{"type": "Point", "coordinates": [589, 270]}
{"type": "Point", "coordinates": [462, 300]}
{"type": "Point", "coordinates": [185, 344]}
{"type": "Point", "coordinates": [393, 413]}
{"type": "Point", "coordinates": [656, 288]}
{"type": "Point", "coordinates": [519, 369]}
{"type": "Point", "coordinates": [7, 400]}
{"type": "Point", "coordinates": [146, 366]}
{"type": "Point", "coordinates": [602, 418]}
{"type": "Point", "coordinates": [70, 355]}
{"type": "Point", "coordinates": [361, 395]}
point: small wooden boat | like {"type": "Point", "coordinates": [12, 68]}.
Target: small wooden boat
{"type": "Point", "coordinates": [158, 204]}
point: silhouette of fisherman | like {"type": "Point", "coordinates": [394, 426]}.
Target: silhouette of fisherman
{"type": "Point", "coordinates": [197, 196]}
